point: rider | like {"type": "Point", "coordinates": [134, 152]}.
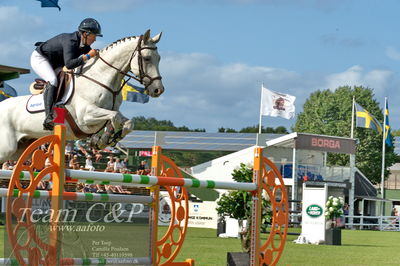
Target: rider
{"type": "Point", "coordinates": [66, 49]}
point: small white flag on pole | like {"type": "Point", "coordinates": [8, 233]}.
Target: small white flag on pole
{"type": "Point", "coordinates": [277, 104]}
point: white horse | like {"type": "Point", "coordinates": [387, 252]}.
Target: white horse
{"type": "Point", "coordinates": [96, 99]}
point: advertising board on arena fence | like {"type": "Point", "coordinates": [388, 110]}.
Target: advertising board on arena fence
{"type": "Point", "coordinates": [313, 218]}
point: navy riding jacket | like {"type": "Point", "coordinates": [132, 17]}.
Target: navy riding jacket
{"type": "Point", "coordinates": [64, 50]}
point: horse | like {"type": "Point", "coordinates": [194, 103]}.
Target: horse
{"type": "Point", "coordinates": [95, 100]}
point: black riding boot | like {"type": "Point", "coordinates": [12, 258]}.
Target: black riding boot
{"type": "Point", "coordinates": [49, 98]}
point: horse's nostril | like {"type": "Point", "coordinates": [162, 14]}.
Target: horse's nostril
{"type": "Point", "coordinates": [156, 91]}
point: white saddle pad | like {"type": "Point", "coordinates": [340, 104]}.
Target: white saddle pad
{"type": "Point", "coordinates": [35, 103]}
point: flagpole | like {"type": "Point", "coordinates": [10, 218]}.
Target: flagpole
{"type": "Point", "coordinates": [383, 153]}
{"type": "Point", "coordinates": [352, 119]}
{"type": "Point", "coordinates": [352, 166]}
{"type": "Point", "coordinates": [259, 122]}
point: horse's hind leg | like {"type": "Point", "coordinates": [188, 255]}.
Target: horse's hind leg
{"type": "Point", "coordinates": [8, 144]}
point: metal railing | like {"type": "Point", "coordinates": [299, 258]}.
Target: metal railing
{"type": "Point", "coordinates": [382, 223]}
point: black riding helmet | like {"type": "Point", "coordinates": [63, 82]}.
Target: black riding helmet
{"type": "Point", "coordinates": [90, 25]}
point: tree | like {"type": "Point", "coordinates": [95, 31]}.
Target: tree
{"type": "Point", "coordinates": [329, 113]}
{"type": "Point", "coordinates": [238, 204]}
{"type": "Point", "coordinates": [254, 129]}
{"type": "Point", "coordinates": [396, 133]}
{"type": "Point", "coordinates": [143, 123]}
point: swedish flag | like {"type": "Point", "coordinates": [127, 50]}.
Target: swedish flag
{"type": "Point", "coordinates": [6, 91]}
{"type": "Point", "coordinates": [388, 138]}
{"type": "Point", "coordinates": [365, 119]}
{"type": "Point", "coordinates": [132, 93]}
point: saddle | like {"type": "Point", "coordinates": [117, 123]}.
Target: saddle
{"type": "Point", "coordinates": [64, 77]}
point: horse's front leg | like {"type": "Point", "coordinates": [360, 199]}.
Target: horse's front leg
{"type": "Point", "coordinates": [127, 127]}
{"type": "Point", "coordinates": [110, 137]}
{"type": "Point", "coordinates": [95, 115]}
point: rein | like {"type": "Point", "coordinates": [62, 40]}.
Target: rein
{"type": "Point", "coordinates": [142, 74]}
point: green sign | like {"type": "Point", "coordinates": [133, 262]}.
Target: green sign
{"type": "Point", "coordinates": [314, 211]}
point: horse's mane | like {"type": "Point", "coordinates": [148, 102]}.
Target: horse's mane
{"type": "Point", "coordinates": [118, 42]}
{"type": "Point", "coordinates": [110, 46]}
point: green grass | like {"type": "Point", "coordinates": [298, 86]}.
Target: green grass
{"type": "Point", "coordinates": [358, 248]}
{"type": "Point", "coordinates": [2, 232]}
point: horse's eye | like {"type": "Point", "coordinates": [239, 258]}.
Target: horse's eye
{"type": "Point", "coordinates": [147, 59]}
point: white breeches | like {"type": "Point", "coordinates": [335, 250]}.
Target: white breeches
{"type": "Point", "coordinates": [42, 67]}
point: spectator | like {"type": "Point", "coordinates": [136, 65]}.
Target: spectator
{"type": "Point", "coordinates": [110, 189]}
{"type": "Point", "coordinates": [117, 165]}
{"type": "Point", "coordinates": [79, 146]}
{"type": "Point", "coordinates": [142, 169]}
{"type": "Point", "coordinates": [79, 187]}
{"type": "Point", "coordinates": [7, 165]}
{"type": "Point", "coordinates": [110, 164]}
{"type": "Point", "coordinates": [346, 209]}
{"type": "Point", "coordinates": [41, 185]}
{"type": "Point", "coordinates": [44, 185]}
{"type": "Point", "coordinates": [121, 190]}
{"type": "Point", "coordinates": [394, 213]}
{"type": "Point", "coordinates": [44, 147]}
{"type": "Point", "coordinates": [88, 163]}
{"type": "Point", "coordinates": [47, 163]}
{"type": "Point", "coordinates": [116, 189]}
{"type": "Point", "coordinates": [68, 151]}
{"type": "Point", "coordinates": [97, 155]}
{"type": "Point", "coordinates": [90, 188]}
{"type": "Point", "coordinates": [124, 171]}
{"type": "Point", "coordinates": [73, 163]}
{"type": "Point", "coordinates": [125, 163]}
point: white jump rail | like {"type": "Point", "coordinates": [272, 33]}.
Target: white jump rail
{"type": "Point", "coordinates": [105, 178]}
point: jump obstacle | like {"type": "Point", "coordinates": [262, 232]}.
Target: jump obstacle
{"type": "Point", "coordinates": [267, 181]}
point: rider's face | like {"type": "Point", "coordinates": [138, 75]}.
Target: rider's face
{"type": "Point", "coordinates": [90, 38]}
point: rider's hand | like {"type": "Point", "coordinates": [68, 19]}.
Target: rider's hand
{"type": "Point", "coordinates": [93, 53]}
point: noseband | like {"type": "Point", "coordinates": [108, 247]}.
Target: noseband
{"type": "Point", "coordinates": [140, 78]}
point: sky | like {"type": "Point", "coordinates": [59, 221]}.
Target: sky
{"type": "Point", "coordinates": [215, 54]}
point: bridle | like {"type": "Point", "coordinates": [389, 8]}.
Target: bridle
{"type": "Point", "coordinates": [140, 78]}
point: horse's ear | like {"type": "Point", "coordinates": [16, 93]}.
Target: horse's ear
{"type": "Point", "coordinates": [146, 36]}
{"type": "Point", "coordinates": [156, 38]}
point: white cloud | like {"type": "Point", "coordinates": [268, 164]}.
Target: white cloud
{"type": "Point", "coordinates": [19, 29]}
{"type": "Point", "coordinates": [202, 92]}
{"type": "Point", "coordinates": [392, 53]}
{"type": "Point", "coordinates": [224, 81]}
{"type": "Point", "coordinates": [356, 76]}
{"type": "Point", "coordinates": [14, 22]}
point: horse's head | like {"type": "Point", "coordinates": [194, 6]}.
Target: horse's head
{"type": "Point", "coordinates": [144, 64]}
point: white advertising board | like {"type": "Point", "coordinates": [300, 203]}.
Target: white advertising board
{"type": "Point", "coordinates": [313, 218]}
{"type": "Point", "coordinates": [203, 214]}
